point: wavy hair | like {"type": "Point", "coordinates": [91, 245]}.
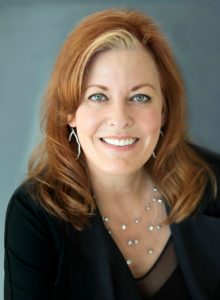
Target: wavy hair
{"type": "Point", "coordinates": [61, 183]}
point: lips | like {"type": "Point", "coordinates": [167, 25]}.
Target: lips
{"type": "Point", "coordinates": [120, 142]}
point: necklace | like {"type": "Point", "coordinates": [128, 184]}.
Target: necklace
{"type": "Point", "coordinates": [152, 226]}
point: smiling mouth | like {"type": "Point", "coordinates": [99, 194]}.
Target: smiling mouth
{"type": "Point", "coordinates": [120, 142]}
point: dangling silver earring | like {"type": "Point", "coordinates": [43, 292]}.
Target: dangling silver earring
{"type": "Point", "coordinates": [77, 141]}
{"type": "Point", "coordinates": [161, 133]}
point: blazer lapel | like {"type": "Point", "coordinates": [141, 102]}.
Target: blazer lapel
{"type": "Point", "coordinates": [197, 245]}
{"type": "Point", "coordinates": [99, 265]}
{"type": "Point", "coordinates": [91, 276]}
{"type": "Point", "coordinates": [124, 284]}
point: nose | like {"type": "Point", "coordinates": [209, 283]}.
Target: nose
{"type": "Point", "coordinates": [120, 116]}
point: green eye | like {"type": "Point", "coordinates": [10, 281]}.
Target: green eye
{"type": "Point", "coordinates": [141, 98]}
{"type": "Point", "coordinates": [97, 97]}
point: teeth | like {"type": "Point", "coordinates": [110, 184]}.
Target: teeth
{"type": "Point", "coordinates": [120, 142]}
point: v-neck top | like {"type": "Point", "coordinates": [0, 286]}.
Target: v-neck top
{"type": "Point", "coordinates": [164, 280]}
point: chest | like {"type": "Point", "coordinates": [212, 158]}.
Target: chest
{"type": "Point", "coordinates": [141, 249]}
{"type": "Point", "coordinates": [97, 262]}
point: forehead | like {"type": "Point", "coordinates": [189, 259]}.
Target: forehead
{"type": "Point", "coordinates": [130, 65]}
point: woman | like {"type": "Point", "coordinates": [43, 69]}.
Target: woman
{"type": "Point", "coordinates": [118, 203]}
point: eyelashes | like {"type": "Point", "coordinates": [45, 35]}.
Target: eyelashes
{"type": "Point", "coordinates": [99, 97]}
{"type": "Point", "coordinates": [138, 98]}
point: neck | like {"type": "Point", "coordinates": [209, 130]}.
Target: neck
{"type": "Point", "coordinates": [127, 192]}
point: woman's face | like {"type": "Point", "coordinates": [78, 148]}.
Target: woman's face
{"type": "Point", "coordinates": [119, 119]}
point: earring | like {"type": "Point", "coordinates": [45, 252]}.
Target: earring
{"type": "Point", "coordinates": [77, 141]}
{"type": "Point", "coordinates": [153, 154]}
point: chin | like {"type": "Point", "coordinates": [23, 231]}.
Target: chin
{"type": "Point", "coordinates": [119, 169]}
{"type": "Point", "coordinates": [113, 166]}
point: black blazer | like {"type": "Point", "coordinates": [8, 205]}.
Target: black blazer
{"type": "Point", "coordinates": [46, 258]}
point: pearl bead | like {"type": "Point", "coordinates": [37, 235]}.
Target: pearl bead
{"type": "Point", "coordinates": [147, 207]}
{"type": "Point", "coordinates": [150, 251]}
{"type": "Point", "coordinates": [129, 261]}
{"type": "Point", "coordinates": [151, 227]}
{"type": "Point", "coordinates": [105, 219]}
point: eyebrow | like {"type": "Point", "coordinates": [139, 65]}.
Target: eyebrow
{"type": "Point", "coordinates": [142, 85]}
{"type": "Point", "coordinates": [133, 89]}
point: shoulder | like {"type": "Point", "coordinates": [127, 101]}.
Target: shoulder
{"type": "Point", "coordinates": [25, 215]}
{"type": "Point", "coordinates": [24, 202]}
{"type": "Point", "coordinates": [210, 206]}
{"type": "Point", "coordinates": [34, 247]}
{"type": "Point", "coordinates": [212, 158]}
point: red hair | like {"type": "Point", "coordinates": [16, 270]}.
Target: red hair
{"type": "Point", "coordinates": [61, 182]}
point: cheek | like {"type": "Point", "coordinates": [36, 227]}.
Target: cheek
{"type": "Point", "coordinates": [151, 120]}
{"type": "Point", "coordinates": [86, 120]}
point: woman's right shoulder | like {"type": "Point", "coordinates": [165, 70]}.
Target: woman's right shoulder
{"type": "Point", "coordinates": [23, 196]}
{"type": "Point", "coordinates": [23, 200]}
{"type": "Point", "coordinates": [34, 247]}
{"type": "Point", "coordinates": [25, 211]}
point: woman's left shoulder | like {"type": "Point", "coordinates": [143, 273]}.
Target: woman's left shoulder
{"type": "Point", "coordinates": [211, 157]}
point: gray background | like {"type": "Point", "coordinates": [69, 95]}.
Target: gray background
{"type": "Point", "coordinates": [31, 34]}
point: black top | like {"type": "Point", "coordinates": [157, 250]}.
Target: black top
{"type": "Point", "coordinates": [175, 288]}
{"type": "Point", "coordinates": [164, 280]}
{"type": "Point", "coordinates": [48, 259]}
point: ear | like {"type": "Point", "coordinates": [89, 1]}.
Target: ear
{"type": "Point", "coordinates": [71, 120]}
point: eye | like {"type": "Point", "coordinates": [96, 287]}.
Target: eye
{"type": "Point", "coordinates": [99, 97]}
{"type": "Point", "coordinates": [141, 98]}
